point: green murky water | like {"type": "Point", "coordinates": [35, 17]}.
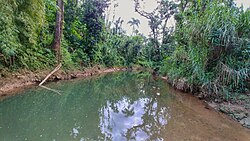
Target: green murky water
{"type": "Point", "coordinates": [119, 106]}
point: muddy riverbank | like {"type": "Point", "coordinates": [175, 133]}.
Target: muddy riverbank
{"type": "Point", "coordinates": [18, 81]}
{"type": "Point", "coordinates": [237, 109]}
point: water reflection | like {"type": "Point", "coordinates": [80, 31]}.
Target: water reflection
{"type": "Point", "coordinates": [142, 119]}
{"type": "Point", "coordinates": [113, 107]}
{"type": "Point", "coordinates": [75, 132]}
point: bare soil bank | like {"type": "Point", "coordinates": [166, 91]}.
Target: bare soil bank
{"type": "Point", "coordinates": [18, 81]}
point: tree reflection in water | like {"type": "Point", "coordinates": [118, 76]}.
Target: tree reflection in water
{"type": "Point", "coordinates": [127, 119]}
{"type": "Point", "coordinates": [123, 106]}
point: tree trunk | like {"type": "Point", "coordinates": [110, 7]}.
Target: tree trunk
{"type": "Point", "coordinates": [58, 29]}
{"type": "Point", "coordinates": [156, 45]}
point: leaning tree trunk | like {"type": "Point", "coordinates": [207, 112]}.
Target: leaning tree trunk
{"type": "Point", "coordinates": [58, 29]}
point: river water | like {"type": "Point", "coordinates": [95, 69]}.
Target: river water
{"type": "Point", "coordinates": [118, 106]}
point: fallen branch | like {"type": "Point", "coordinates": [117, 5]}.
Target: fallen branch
{"type": "Point", "coordinates": [47, 77]}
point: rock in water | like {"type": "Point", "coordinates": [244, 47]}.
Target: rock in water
{"type": "Point", "coordinates": [246, 122]}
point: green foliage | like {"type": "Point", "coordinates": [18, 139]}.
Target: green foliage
{"type": "Point", "coordinates": [27, 33]}
{"type": "Point", "coordinates": [109, 51]}
{"type": "Point", "coordinates": [67, 61]}
{"type": "Point", "coordinates": [9, 41]}
{"type": "Point", "coordinates": [84, 27]}
{"type": "Point", "coordinates": [94, 20]}
{"type": "Point", "coordinates": [121, 50]}
{"type": "Point", "coordinates": [21, 34]}
{"type": "Point", "coordinates": [210, 51]}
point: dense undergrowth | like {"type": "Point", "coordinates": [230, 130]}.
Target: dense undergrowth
{"type": "Point", "coordinates": [27, 34]}
{"type": "Point", "coordinates": [208, 50]}
{"type": "Point", "coordinates": [212, 49]}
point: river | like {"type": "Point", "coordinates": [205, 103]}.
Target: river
{"type": "Point", "coordinates": [117, 106]}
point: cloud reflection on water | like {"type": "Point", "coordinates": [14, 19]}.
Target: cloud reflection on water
{"type": "Point", "coordinates": [142, 119]}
